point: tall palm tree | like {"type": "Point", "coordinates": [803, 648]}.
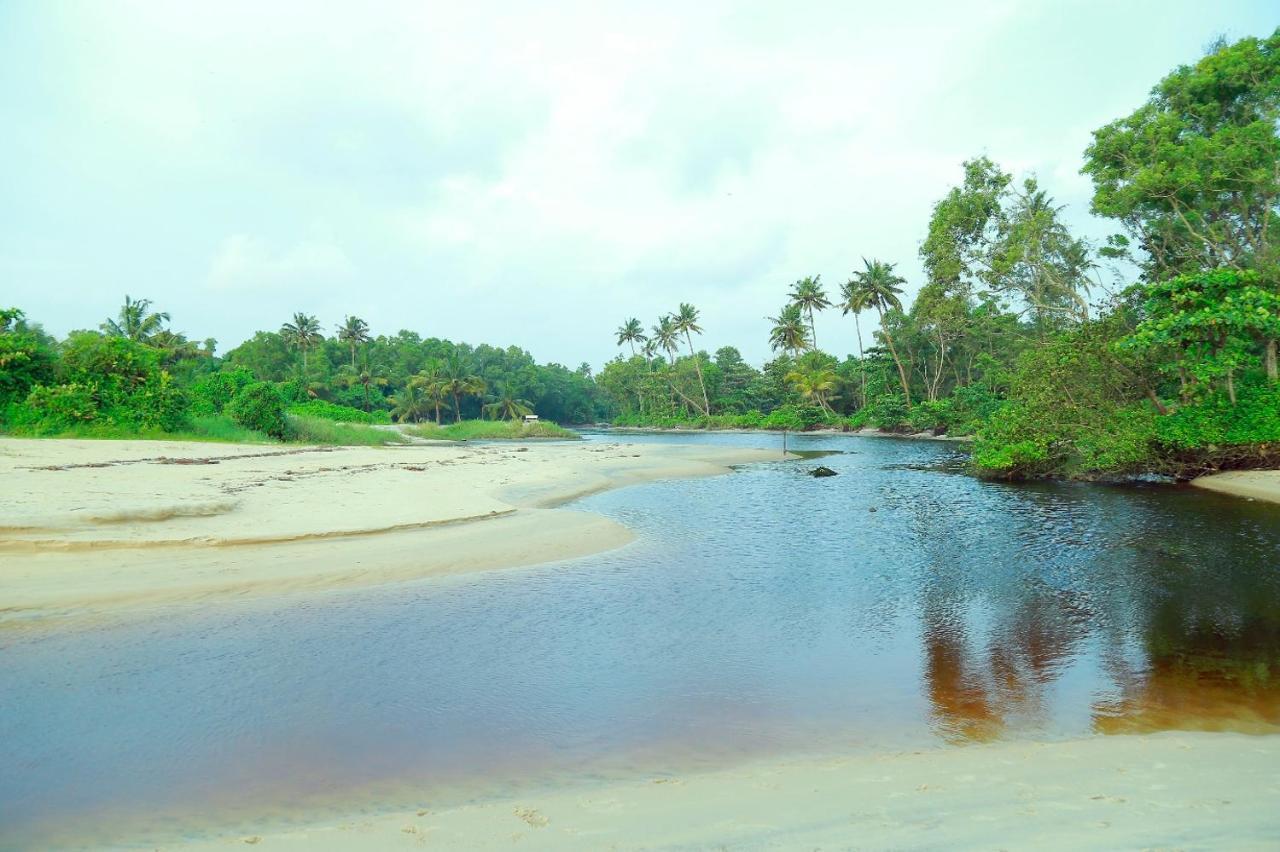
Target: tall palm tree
{"type": "Point", "coordinates": [459, 381]}
{"type": "Point", "coordinates": [685, 321]}
{"type": "Point", "coordinates": [788, 332]}
{"type": "Point", "coordinates": [353, 331]}
{"type": "Point", "coordinates": [303, 332]}
{"type": "Point", "coordinates": [809, 295]}
{"type": "Point", "coordinates": [814, 383]}
{"type": "Point", "coordinates": [879, 284]}
{"type": "Point", "coordinates": [368, 380]}
{"type": "Point", "coordinates": [631, 332]}
{"type": "Point", "coordinates": [136, 321]}
{"type": "Point", "coordinates": [664, 336]}
{"type": "Point", "coordinates": [853, 300]}
{"type": "Point", "coordinates": [411, 403]}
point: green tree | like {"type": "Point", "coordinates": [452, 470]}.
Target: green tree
{"type": "Point", "coordinates": [507, 406]}
{"type": "Point", "coordinates": [815, 382]}
{"type": "Point", "coordinates": [631, 332]}
{"type": "Point", "coordinates": [880, 286]}
{"type": "Point", "coordinates": [353, 331]}
{"type": "Point", "coordinates": [460, 381]}
{"type": "Point", "coordinates": [809, 295]}
{"type": "Point", "coordinates": [303, 333]}
{"type": "Point", "coordinates": [685, 321]}
{"type": "Point", "coordinates": [788, 332]}
{"type": "Point", "coordinates": [136, 321]}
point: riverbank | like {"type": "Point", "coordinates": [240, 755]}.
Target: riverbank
{"type": "Point", "coordinates": [1169, 790]}
{"type": "Point", "coordinates": [96, 525]}
{"type": "Point", "coordinates": [865, 432]}
{"type": "Point", "coordinates": [1254, 484]}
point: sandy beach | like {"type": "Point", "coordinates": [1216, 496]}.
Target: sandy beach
{"type": "Point", "coordinates": [1256, 484]}
{"type": "Point", "coordinates": [1168, 791]}
{"type": "Point", "coordinates": [94, 525]}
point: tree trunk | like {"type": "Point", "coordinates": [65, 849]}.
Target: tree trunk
{"type": "Point", "coordinates": [1270, 360]}
{"type": "Point", "coordinates": [1231, 385]}
{"type": "Point", "coordinates": [697, 366]}
{"type": "Point", "coordinates": [902, 374]}
{"type": "Point", "coordinates": [437, 412]}
{"type": "Point", "coordinates": [353, 356]}
{"type": "Point", "coordinates": [862, 366]}
{"type": "Point", "coordinates": [457, 409]}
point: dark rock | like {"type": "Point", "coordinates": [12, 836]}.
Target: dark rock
{"type": "Point", "coordinates": [822, 471]}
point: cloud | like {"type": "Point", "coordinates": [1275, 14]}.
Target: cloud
{"type": "Point", "coordinates": [245, 263]}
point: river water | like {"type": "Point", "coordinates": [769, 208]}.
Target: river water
{"type": "Point", "coordinates": [898, 605]}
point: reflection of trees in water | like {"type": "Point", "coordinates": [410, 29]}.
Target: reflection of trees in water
{"type": "Point", "coordinates": [1180, 598]}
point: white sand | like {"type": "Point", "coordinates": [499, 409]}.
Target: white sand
{"type": "Point", "coordinates": [1258, 484]}
{"type": "Point", "coordinates": [91, 525]}
{"type": "Point", "coordinates": [1160, 791]}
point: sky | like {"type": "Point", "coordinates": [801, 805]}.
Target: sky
{"type": "Point", "coordinates": [533, 173]}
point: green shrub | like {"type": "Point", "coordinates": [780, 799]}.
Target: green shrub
{"type": "Point", "coordinates": [259, 407]}
{"type": "Point", "coordinates": [24, 363]}
{"type": "Point", "coordinates": [159, 403]}
{"type": "Point", "coordinates": [491, 430]}
{"type": "Point", "coordinates": [337, 413]}
{"type": "Point", "coordinates": [212, 392]}
{"type": "Point", "coordinates": [53, 407]}
{"type": "Point", "coordinates": [887, 412]}
{"type": "Point", "coordinates": [317, 430]}
{"type": "Point", "coordinates": [931, 416]}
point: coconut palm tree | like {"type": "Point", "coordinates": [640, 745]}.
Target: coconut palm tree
{"type": "Point", "coordinates": [664, 336]}
{"type": "Point", "coordinates": [368, 380]}
{"type": "Point", "coordinates": [809, 295]}
{"type": "Point", "coordinates": [815, 383]}
{"type": "Point", "coordinates": [788, 332]}
{"type": "Point", "coordinates": [631, 332]}
{"type": "Point", "coordinates": [685, 321]}
{"type": "Point", "coordinates": [879, 285]}
{"type": "Point", "coordinates": [430, 380]}
{"type": "Point", "coordinates": [410, 403]}
{"type": "Point", "coordinates": [303, 333]}
{"type": "Point", "coordinates": [353, 331]}
{"type": "Point", "coordinates": [853, 300]}
{"type": "Point", "coordinates": [459, 381]}
{"type": "Point", "coordinates": [136, 321]}
{"type": "Point", "coordinates": [507, 406]}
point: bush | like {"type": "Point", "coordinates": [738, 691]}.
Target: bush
{"type": "Point", "coordinates": [492, 430]}
{"type": "Point", "coordinates": [317, 430]}
{"type": "Point", "coordinates": [931, 416]}
{"type": "Point", "coordinates": [259, 407]}
{"type": "Point", "coordinates": [888, 412]}
{"type": "Point", "coordinates": [213, 392]}
{"type": "Point", "coordinates": [50, 408]}
{"type": "Point", "coordinates": [337, 413]}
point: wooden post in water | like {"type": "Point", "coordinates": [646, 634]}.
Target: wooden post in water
{"type": "Point", "coordinates": [784, 443]}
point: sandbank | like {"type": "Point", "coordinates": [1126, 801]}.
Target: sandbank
{"type": "Point", "coordinates": [87, 526]}
{"type": "Point", "coordinates": [1167, 790]}
{"type": "Point", "coordinates": [1258, 484]}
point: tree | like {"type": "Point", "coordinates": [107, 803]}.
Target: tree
{"type": "Point", "coordinates": [507, 406]}
{"type": "Point", "coordinates": [353, 331]}
{"type": "Point", "coordinates": [788, 331]}
{"type": "Point", "coordinates": [685, 321]}
{"type": "Point", "coordinates": [136, 321]}
{"type": "Point", "coordinates": [631, 332]}
{"type": "Point", "coordinates": [458, 382]}
{"type": "Point", "coordinates": [1194, 173]}
{"type": "Point", "coordinates": [664, 336]}
{"type": "Point", "coordinates": [853, 300]}
{"type": "Point", "coordinates": [879, 284]}
{"type": "Point", "coordinates": [410, 403]}
{"type": "Point", "coordinates": [809, 295]}
{"type": "Point", "coordinates": [302, 334]}
{"type": "Point", "coordinates": [430, 380]}
{"type": "Point", "coordinates": [814, 382]}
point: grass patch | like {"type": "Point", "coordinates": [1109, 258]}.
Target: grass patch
{"type": "Point", "coordinates": [216, 428]}
{"type": "Point", "coordinates": [317, 430]}
{"type": "Point", "coordinates": [492, 430]}
{"type": "Point", "coordinates": [337, 413]}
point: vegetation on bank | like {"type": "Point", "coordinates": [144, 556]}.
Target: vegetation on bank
{"type": "Point", "coordinates": [1012, 337]}
{"type": "Point", "coordinates": [491, 430]}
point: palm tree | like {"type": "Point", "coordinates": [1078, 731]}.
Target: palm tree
{"type": "Point", "coordinates": [853, 300]}
{"type": "Point", "coordinates": [508, 406]}
{"type": "Point", "coordinates": [788, 332]}
{"type": "Point", "coordinates": [353, 332]}
{"type": "Point", "coordinates": [303, 332]}
{"type": "Point", "coordinates": [685, 321]}
{"type": "Point", "coordinates": [809, 295]}
{"type": "Point", "coordinates": [459, 381]}
{"type": "Point", "coordinates": [136, 321]}
{"type": "Point", "coordinates": [664, 336]}
{"type": "Point", "coordinates": [879, 285]}
{"type": "Point", "coordinates": [631, 332]}
{"type": "Point", "coordinates": [814, 383]}
{"type": "Point", "coordinates": [411, 403]}
{"type": "Point", "coordinates": [430, 380]}
{"type": "Point", "coordinates": [367, 379]}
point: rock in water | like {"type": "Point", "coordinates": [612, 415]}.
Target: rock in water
{"type": "Point", "coordinates": [822, 471]}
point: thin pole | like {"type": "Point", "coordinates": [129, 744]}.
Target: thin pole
{"type": "Point", "coordinates": [784, 443]}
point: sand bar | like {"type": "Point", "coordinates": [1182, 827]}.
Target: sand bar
{"type": "Point", "coordinates": [93, 525]}
{"type": "Point", "coordinates": [1258, 484]}
{"type": "Point", "coordinates": [1169, 791]}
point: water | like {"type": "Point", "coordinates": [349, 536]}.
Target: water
{"type": "Point", "coordinates": [898, 605]}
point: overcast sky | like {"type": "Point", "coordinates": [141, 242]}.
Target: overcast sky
{"type": "Point", "coordinates": [532, 173]}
